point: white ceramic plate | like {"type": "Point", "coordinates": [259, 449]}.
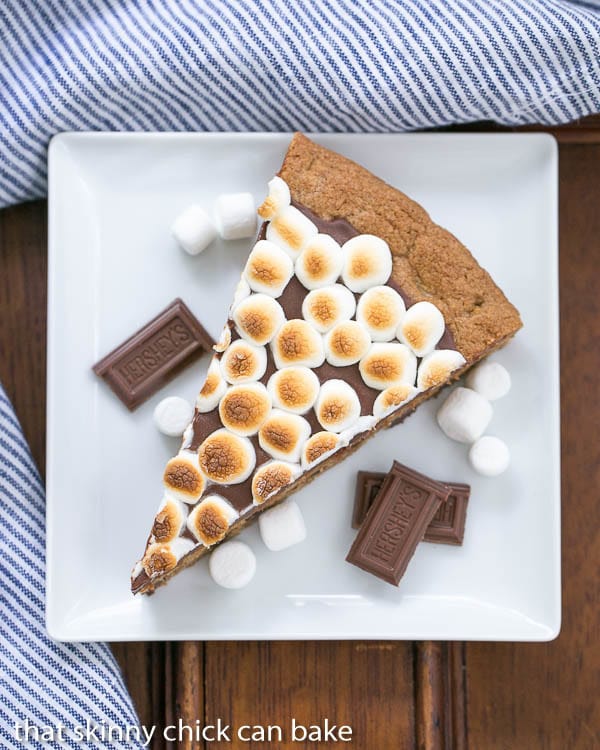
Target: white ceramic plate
{"type": "Point", "coordinates": [113, 265]}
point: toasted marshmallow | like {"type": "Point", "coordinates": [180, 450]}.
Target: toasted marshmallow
{"type": "Point", "coordinates": [291, 230]}
{"type": "Point", "coordinates": [297, 343]}
{"type": "Point", "coordinates": [226, 458]}
{"type": "Point", "coordinates": [161, 557]}
{"type": "Point", "coordinates": [193, 229]}
{"type": "Point", "coordinates": [346, 343]}
{"type": "Point", "coordinates": [169, 520]}
{"type": "Point", "coordinates": [183, 479]}
{"type": "Point", "coordinates": [232, 565]}
{"type": "Point", "coordinates": [489, 456]}
{"type": "Point", "coordinates": [338, 406]}
{"type": "Point", "coordinates": [258, 318]}
{"type": "Point", "coordinates": [436, 368]}
{"type": "Point", "coordinates": [320, 263]}
{"type": "Point", "coordinates": [421, 328]}
{"type": "Point", "coordinates": [367, 262]}
{"type": "Point", "coordinates": [282, 526]}
{"type": "Point", "coordinates": [380, 310]}
{"type": "Point", "coordinates": [393, 397]}
{"type": "Point", "coordinates": [278, 198]}
{"type": "Point", "coordinates": [294, 389]}
{"type": "Point", "coordinates": [224, 339]}
{"type": "Point", "coordinates": [271, 477]}
{"type": "Point", "coordinates": [235, 215]}
{"type": "Point", "coordinates": [211, 519]}
{"type": "Point", "coordinates": [243, 362]}
{"type": "Point", "coordinates": [318, 447]}
{"type": "Point", "coordinates": [244, 408]}
{"type": "Point", "coordinates": [362, 424]}
{"type": "Point", "coordinates": [172, 415]}
{"type": "Point", "coordinates": [214, 387]}
{"type": "Point", "coordinates": [268, 269]}
{"type": "Point", "coordinates": [242, 291]}
{"type": "Point", "coordinates": [386, 364]}
{"type": "Point", "coordinates": [326, 307]}
{"type": "Point", "coordinates": [283, 435]}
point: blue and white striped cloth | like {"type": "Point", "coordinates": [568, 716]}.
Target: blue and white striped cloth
{"type": "Point", "coordinates": [314, 65]}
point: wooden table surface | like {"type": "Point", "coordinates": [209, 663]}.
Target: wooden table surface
{"type": "Point", "coordinates": [395, 695]}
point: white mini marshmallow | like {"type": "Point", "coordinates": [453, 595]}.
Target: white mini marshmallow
{"type": "Point", "coordinates": [393, 398]}
{"type": "Point", "coordinates": [210, 520]}
{"type": "Point", "coordinates": [268, 269]}
{"type": "Point", "coordinates": [388, 364]}
{"type": "Point", "coordinates": [290, 229]}
{"type": "Point", "coordinates": [243, 362]}
{"type": "Point", "coordinates": [294, 389]}
{"type": "Point", "coordinates": [318, 447]}
{"type": "Point", "coordinates": [297, 343]}
{"type": "Point", "coordinates": [346, 343]}
{"type": "Point", "coordinates": [489, 456]}
{"type": "Point", "coordinates": [367, 262]}
{"type": "Point", "coordinates": [214, 387]}
{"type": "Point", "coordinates": [272, 477]}
{"type": "Point", "coordinates": [437, 367]}
{"type": "Point", "coordinates": [258, 318]}
{"type": "Point", "coordinates": [338, 406]}
{"type": "Point", "coordinates": [421, 328]}
{"type": "Point", "coordinates": [380, 310]}
{"type": "Point", "coordinates": [282, 435]}
{"type": "Point", "coordinates": [242, 291]}
{"type": "Point", "coordinates": [235, 215]}
{"type": "Point", "coordinates": [224, 339]}
{"type": "Point", "coordinates": [282, 526]}
{"type": "Point", "coordinates": [326, 307]}
{"type": "Point", "coordinates": [490, 379]}
{"type": "Point", "coordinates": [172, 415]}
{"type": "Point", "coordinates": [193, 229]}
{"type": "Point", "coordinates": [320, 263]}
{"type": "Point", "coordinates": [169, 520]}
{"type": "Point", "coordinates": [464, 415]}
{"type": "Point", "coordinates": [278, 198]}
{"type": "Point", "coordinates": [232, 565]}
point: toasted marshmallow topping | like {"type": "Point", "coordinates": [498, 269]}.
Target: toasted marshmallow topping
{"type": "Point", "coordinates": [362, 424]}
{"type": "Point", "coordinates": [224, 339]}
{"type": "Point", "coordinates": [380, 310]}
{"type": "Point", "coordinates": [291, 231]}
{"type": "Point", "coordinates": [271, 477]}
{"type": "Point", "coordinates": [183, 478]}
{"type": "Point", "coordinates": [367, 262]}
{"type": "Point", "coordinates": [320, 263]}
{"type": "Point", "coordinates": [388, 364]}
{"type": "Point", "coordinates": [243, 362]}
{"type": "Point", "coordinates": [297, 343]}
{"type": "Point", "coordinates": [283, 435]}
{"type": "Point", "coordinates": [226, 458]}
{"type": "Point", "coordinates": [393, 397]}
{"type": "Point", "coordinates": [268, 269]}
{"type": "Point", "coordinates": [318, 447]}
{"type": "Point", "coordinates": [212, 390]}
{"type": "Point", "coordinates": [242, 290]}
{"type": "Point", "coordinates": [421, 328]}
{"type": "Point", "coordinates": [326, 307]}
{"type": "Point", "coordinates": [338, 406]}
{"type": "Point", "coordinates": [160, 558]}
{"type": "Point", "coordinates": [169, 520]}
{"type": "Point", "coordinates": [278, 198]}
{"type": "Point", "coordinates": [244, 408]}
{"type": "Point", "coordinates": [294, 389]}
{"type": "Point", "coordinates": [346, 343]}
{"type": "Point", "coordinates": [437, 367]}
{"type": "Point", "coordinates": [211, 519]}
{"type": "Point", "coordinates": [258, 318]}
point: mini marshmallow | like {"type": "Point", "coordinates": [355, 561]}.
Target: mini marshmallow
{"type": "Point", "coordinates": [235, 215]}
{"type": "Point", "coordinates": [362, 424]}
{"type": "Point", "coordinates": [489, 456]}
{"type": "Point", "coordinates": [294, 389]}
{"type": "Point", "coordinates": [169, 520]}
{"type": "Point", "coordinates": [214, 387]}
{"type": "Point", "coordinates": [243, 362]}
{"type": "Point", "coordinates": [421, 328]}
{"type": "Point", "coordinates": [437, 367]}
{"type": "Point", "coordinates": [268, 269]}
{"type": "Point", "coordinates": [490, 379]}
{"type": "Point", "coordinates": [464, 415]}
{"type": "Point", "coordinates": [232, 565]}
{"type": "Point", "coordinates": [297, 343]}
{"type": "Point", "coordinates": [226, 458]}
{"type": "Point", "coordinates": [193, 229]}
{"type": "Point", "coordinates": [244, 408]}
{"type": "Point", "coordinates": [282, 526]}
{"type": "Point", "coordinates": [210, 520]}
{"type": "Point", "coordinates": [291, 230]}
{"type": "Point", "coordinates": [271, 477]}
{"type": "Point", "coordinates": [242, 291]}
{"type": "Point", "coordinates": [320, 263]}
{"type": "Point", "coordinates": [367, 262]}
{"type": "Point", "coordinates": [183, 478]}
{"type": "Point", "coordinates": [380, 310]}
{"type": "Point", "coordinates": [388, 364]}
{"type": "Point", "coordinates": [338, 406]}
{"type": "Point", "coordinates": [346, 343]}
{"type": "Point", "coordinates": [283, 434]}
{"type": "Point", "coordinates": [224, 339]}
{"type": "Point", "coordinates": [258, 318]}
{"type": "Point", "coordinates": [318, 447]}
{"type": "Point", "coordinates": [172, 415]}
{"type": "Point", "coordinates": [278, 198]}
{"type": "Point", "coordinates": [326, 307]}
{"type": "Point", "coordinates": [160, 558]}
{"type": "Point", "coordinates": [392, 398]}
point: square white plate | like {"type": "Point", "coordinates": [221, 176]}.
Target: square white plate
{"type": "Point", "coordinates": [113, 265]}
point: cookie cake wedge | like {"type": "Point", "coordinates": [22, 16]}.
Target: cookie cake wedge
{"type": "Point", "coordinates": [353, 308]}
